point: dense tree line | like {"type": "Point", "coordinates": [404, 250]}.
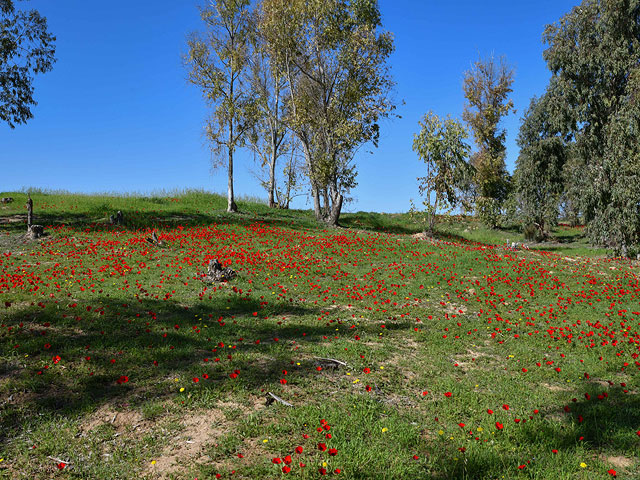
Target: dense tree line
{"type": "Point", "coordinates": [580, 155]}
{"type": "Point", "coordinates": [579, 151]}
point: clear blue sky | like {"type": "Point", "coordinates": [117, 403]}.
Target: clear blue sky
{"type": "Point", "coordinates": [116, 113]}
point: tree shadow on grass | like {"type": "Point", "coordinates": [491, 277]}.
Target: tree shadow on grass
{"type": "Point", "coordinates": [151, 342]}
{"type": "Point", "coordinates": [96, 219]}
{"type": "Point", "coordinates": [606, 422]}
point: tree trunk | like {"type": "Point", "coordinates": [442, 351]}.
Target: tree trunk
{"type": "Point", "coordinates": [231, 204]}
{"type": "Point", "coordinates": [335, 211]}
{"type": "Point", "coordinates": [29, 212]}
{"type": "Point", "coordinates": [315, 193]}
{"type": "Point", "coordinates": [335, 208]}
{"type": "Point", "coordinates": [272, 172]}
{"type": "Point", "coordinates": [316, 200]}
{"type": "Point", "coordinates": [290, 178]}
{"type": "Point", "coordinates": [326, 208]}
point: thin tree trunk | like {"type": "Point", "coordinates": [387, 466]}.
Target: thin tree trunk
{"type": "Point", "coordinates": [272, 171]}
{"type": "Point", "coordinates": [231, 204]}
{"type": "Point", "coordinates": [315, 192]}
{"type": "Point", "coordinates": [29, 212]}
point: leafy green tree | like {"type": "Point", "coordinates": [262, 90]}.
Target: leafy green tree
{"type": "Point", "coordinates": [440, 145]}
{"type": "Point", "coordinates": [268, 135]}
{"type": "Point", "coordinates": [538, 181]}
{"type": "Point", "coordinates": [593, 54]}
{"type": "Point", "coordinates": [219, 61]}
{"type": "Point", "coordinates": [334, 57]}
{"type": "Point", "coordinates": [487, 87]}
{"type": "Point", "coordinates": [26, 49]}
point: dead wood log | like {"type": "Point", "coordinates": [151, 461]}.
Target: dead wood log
{"type": "Point", "coordinates": [216, 273]}
{"type": "Point", "coordinates": [154, 240]}
{"type": "Point", "coordinates": [272, 397]}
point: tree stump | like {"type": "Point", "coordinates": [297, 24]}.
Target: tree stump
{"type": "Point", "coordinates": [216, 273]}
{"type": "Point", "coordinates": [154, 240]}
{"type": "Point", "coordinates": [117, 219]}
{"type": "Point", "coordinates": [29, 206]}
{"type": "Point", "coordinates": [35, 231]}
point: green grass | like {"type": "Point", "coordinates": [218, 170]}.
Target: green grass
{"type": "Point", "coordinates": [434, 333]}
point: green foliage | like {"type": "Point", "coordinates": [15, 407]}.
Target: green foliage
{"type": "Point", "coordinates": [441, 146]}
{"type": "Point", "coordinates": [218, 62]}
{"type": "Point", "coordinates": [487, 87]}
{"type": "Point", "coordinates": [593, 53]}
{"type": "Point", "coordinates": [538, 181]}
{"type": "Point", "coordinates": [26, 49]}
{"type": "Point", "coordinates": [334, 57]}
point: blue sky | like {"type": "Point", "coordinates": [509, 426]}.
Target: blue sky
{"type": "Point", "coordinates": [117, 115]}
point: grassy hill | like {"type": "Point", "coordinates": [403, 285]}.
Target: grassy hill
{"type": "Point", "coordinates": [400, 356]}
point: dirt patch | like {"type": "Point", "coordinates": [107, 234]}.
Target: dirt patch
{"type": "Point", "coordinates": [121, 420]}
{"type": "Point", "coordinates": [197, 430]}
{"type": "Point", "coordinates": [453, 309]}
{"type": "Point", "coordinates": [555, 388]}
{"type": "Point", "coordinates": [618, 461]}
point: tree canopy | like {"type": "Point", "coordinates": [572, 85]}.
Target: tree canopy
{"type": "Point", "coordinates": [218, 60]}
{"type": "Point", "coordinates": [26, 49]}
{"type": "Point", "coordinates": [334, 56]}
{"type": "Point", "coordinates": [441, 145]}
{"type": "Point", "coordinates": [592, 101]}
{"type": "Point", "coordinates": [486, 88]}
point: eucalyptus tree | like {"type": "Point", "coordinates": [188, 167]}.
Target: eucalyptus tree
{"type": "Point", "coordinates": [538, 181]}
{"type": "Point", "coordinates": [269, 132]}
{"type": "Point", "coordinates": [441, 145]}
{"type": "Point", "coordinates": [594, 57]}
{"type": "Point", "coordinates": [333, 55]}
{"type": "Point", "coordinates": [26, 49]}
{"type": "Point", "coordinates": [218, 60]}
{"type": "Point", "coordinates": [487, 87]}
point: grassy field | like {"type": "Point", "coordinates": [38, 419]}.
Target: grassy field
{"type": "Point", "coordinates": [401, 356]}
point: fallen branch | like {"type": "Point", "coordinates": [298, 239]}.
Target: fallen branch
{"type": "Point", "coordinates": [332, 360]}
{"type": "Point", "coordinates": [277, 399]}
{"type": "Point", "coordinates": [57, 460]}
